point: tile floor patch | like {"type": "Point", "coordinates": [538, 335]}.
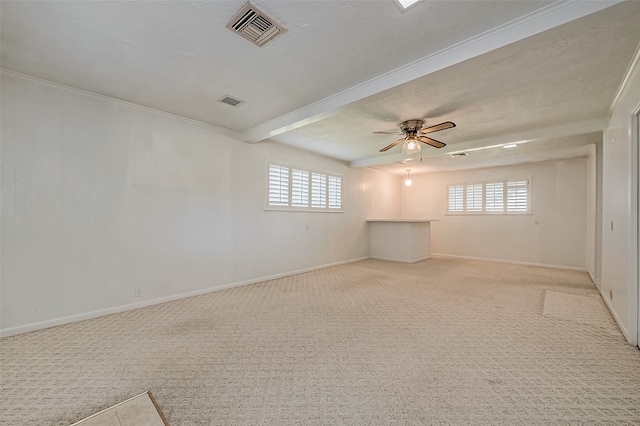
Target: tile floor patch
{"type": "Point", "coordinates": [137, 411]}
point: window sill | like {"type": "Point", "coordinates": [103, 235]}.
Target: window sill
{"type": "Point", "coordinates": [490, 214]}
{"type": "Point", "coordinates": [301, 209]}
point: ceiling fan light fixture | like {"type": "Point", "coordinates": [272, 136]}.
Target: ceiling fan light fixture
{"type": "Point", "coordinates": [411, 146]}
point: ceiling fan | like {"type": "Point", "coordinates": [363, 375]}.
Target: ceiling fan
{"type": "Point", "coordinates": [414, 134]}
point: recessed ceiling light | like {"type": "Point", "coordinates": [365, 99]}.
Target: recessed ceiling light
{"type": "Point", "coordinates": [407, 3]}
{"type": "Point", "coordinates": [510, 145]}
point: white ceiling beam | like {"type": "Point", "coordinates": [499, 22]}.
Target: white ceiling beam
{"type": "Point", "coordinates": [570, 129]}
{"type": "Point", "coordinates": [544, 19]}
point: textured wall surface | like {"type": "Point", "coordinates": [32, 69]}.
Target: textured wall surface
{"type": "Point", "coordinates": [553, 234]}
{"type": "Point", "coordinates": [101, 197]}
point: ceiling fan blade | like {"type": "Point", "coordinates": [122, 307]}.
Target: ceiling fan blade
{"type": "Point", "coordinates": [432, 142]}
{"type": "Point", "coordinates": [438, 127]}
{"type": "Point", "coordinates": [388, 147]}
{"type": "Point", "coordinates": [395, 132]}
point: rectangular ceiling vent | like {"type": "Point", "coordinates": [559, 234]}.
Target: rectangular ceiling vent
{"type": "Point", "coordinates": [255, 25]}
{"type": "Point", "coordinates": [231, 101]}
{"type": "Point", "coordinates": [459, 154]}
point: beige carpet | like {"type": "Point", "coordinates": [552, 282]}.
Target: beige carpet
{"type": "Point", "coordinates": [369, 343]}
{"type": "Point", "coordinates": [573, 307]}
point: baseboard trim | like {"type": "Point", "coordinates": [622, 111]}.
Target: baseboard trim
{"type": "Point", "coordinates": [607, 302]}
{"type": "Point", "coordinates": [513, 262]}
{"type": "Point", "coordinates": [109, 311]}
{"type": "Point", "coordinates": [594, 280]}
{"type": "Point", "coordinates": [390, 259]}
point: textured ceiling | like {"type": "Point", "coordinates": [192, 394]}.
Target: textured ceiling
{"type": "Point", "coordinates": [569, 74]}
{"type": "Point", "coordinates": [178, 56]}
{"type": "Point", "coordinates": [332, 78]}
{"type": "Point", "coordinates": [494, 156]}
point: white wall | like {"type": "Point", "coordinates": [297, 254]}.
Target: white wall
{"type": "Point", "coordinates": [381, 189]}
{"type": "Point", "coordinates": [100, 197]}
{"type": "Point", "coordinates": [591, 213]}
{"type": "Point", "coordinates": [553, 234]}
{"type": "Point", "coordinates": [618, 257]}
{"type": "Point", "coordinates": [594, 213]}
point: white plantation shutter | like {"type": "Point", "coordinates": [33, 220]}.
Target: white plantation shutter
{"type": "Point", "coordinates": [494, 197]}
{"type": "Point", "coordinates": [299, 188]}
{"type": "Point", "coordinates": [296, 189]}
{"type": "Point", "coordinates": [507, 197]}
{"type": "Point", "coordinates": [278, 185]}
{"type": "Point", "coordinates": [318, 190]}
{"type": "Point", "coordinates": [517, 196]}
{"type": "Point", "coordinates": [456, 198]}
{"type": "Point", "coordinates": [335, 192]}
{"type": "Point", "coordinates": [474, 198]}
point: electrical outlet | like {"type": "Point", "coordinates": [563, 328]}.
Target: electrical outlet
{"type": "Point", "coordinates": [137, 293]}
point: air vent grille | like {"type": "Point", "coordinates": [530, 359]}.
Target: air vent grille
{"type": "Point", "coordinates": [255, 25]}
{"type": "Point", "coordinates": [459, 154]}
{"type": "Point", "coordinates": [231, 101]}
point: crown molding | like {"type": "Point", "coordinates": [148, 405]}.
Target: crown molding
{"type": "Point", "coordinates": [625, 80]}
{"type": "Point", "coordinates": [223, 130]}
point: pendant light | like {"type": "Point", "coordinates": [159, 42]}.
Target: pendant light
{"type": "Point", "coordinates": [408, 180]}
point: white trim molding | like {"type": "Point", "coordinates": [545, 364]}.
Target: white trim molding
{"type": "Point", "coordinates": [102, 312]}
{"type": "Point", "coordinates": [615, 316]}
{"type": "Point", "coordinates": [625, 80]}
{"type": "Point", "coordinates": [512, 262]}
{"type": "Point", "coordinates": [223, 130]}
{"type": "Point", "coordinates": [634, 227]}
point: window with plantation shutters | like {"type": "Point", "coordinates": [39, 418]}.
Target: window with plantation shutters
{"type": "Point", "coordinates": [318, 190]}
{"type": "Point", "coordinates": [456, 198]}
{"type": "Point", "coordinates": [474, 198]}
{"type": "Point", "coordinates": [494, 197]}
{"type": "Point", "coordinates": [506, 197]}
{"type": "Point", "coordinates": [299, 188]}
{"type": "Point", "coordinates": [335, 192]}
{"type": "Point", "coordinates": [517, 196]}
{"type": "Point", "coordinates": [296, 189]}
{"type": "Point", "coordinates": [278, 185]}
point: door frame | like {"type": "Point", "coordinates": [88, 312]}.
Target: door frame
{"type": "Point", "coordinates": [634, 278]}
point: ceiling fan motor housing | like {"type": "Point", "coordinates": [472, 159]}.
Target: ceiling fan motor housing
{"type": "Point", "coordinates": [411, 126]}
